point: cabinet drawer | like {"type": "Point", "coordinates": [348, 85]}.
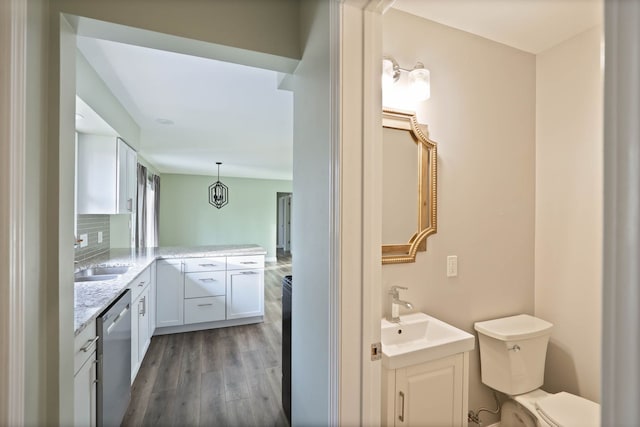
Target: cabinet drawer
{"type": "Point", "coordinates": [204, 284]}
{"type": "Point", "coordinates": [204, 264]}
{"type": "Point", "coordinates": [245, 262]}
{"type": "Point", "coordinates": [84, 345]}
{"type": "Point", "coordinates": [138, 284]}
{"type": "Point", "coordinates": [207, 309]}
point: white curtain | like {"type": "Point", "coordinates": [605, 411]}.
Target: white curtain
{"type": "Point", "coordinates": [141, 211]}
{"type": "Point", "coordinates": [148, 209]}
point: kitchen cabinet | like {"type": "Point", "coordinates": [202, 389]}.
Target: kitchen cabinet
{"type": "Point", "coordinates": [140, 320]}
{"type": "Point", "coordinates": [169, 293]}
{"type": "Point", "coordinates": [106, 175]}
{"type": "Point", "coordinates": [245, 286]}
{"type": "Point", "coordinates": [85, 376]}
{"type": "Point", "coordinates": [152, 302]}
{"type": "Point", "coordinates": [204, 290]}
{"type": "Point", "coordinates": [197, 293]}
{"type": "Point", "coordinates": [428, 394]}
{"type": "Point", "coordinates": [245, 293]}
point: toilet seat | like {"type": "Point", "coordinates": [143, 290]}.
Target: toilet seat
{"type": "Point", "coordinates": [568, 410]}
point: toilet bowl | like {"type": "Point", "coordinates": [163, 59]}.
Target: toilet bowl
{"type": "Point", "coordinates": [512, 357]}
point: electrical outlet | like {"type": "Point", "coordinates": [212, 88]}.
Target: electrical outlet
{"type": "Point", "coordinates": [99, 236]}
{"type": "Point", "coordinates": [85, 240]}
{"type": "Point", "coordinates": [452, 266]}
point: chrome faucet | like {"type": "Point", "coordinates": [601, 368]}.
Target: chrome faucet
{"type": "Point", "coordinates": [396, 302]}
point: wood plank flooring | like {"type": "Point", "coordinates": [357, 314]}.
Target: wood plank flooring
{"type": "Point", "coordinates": [218, 377]}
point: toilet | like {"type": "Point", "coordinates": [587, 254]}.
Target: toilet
{"type": "Point", "coordinates": [512, 357]}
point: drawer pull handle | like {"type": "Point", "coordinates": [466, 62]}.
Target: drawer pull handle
{"type": "Point", "coordinates": [401, 416]}
{"type": "Point", "coordinates": [208, 279]}
{"type": "Point", "coordinates": [204, 305]}
{"type": "Point", "coordinates": [208, 265]}
{"type": "Point", "coordinates": [248, 262]}
{"type": "Point", "coordinates": [85, 348]}
{"type": "Point", "coordinates": [141, 284]}
{"type": "Point", "coordinates": [249, 272]}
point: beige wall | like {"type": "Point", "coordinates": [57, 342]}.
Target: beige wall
{"type": "Point", "coordinates": [482, 115]}
{"type": "Point", "coordinates": [568, 237]}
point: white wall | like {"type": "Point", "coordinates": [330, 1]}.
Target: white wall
{"type": "Point", "coordinates": [92, 90]}
{"type": "Point", "coordinates": [482, 116]}
{"type": "Point", "coordinates": [568, 236]}
{"type": "Point", "coordinates": [310, 220]}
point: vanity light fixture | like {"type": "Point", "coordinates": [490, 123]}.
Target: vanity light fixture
{"type": "Point", "coordinates": [218, 192]}
{"type": "Point", "coordinates": [419, 77]}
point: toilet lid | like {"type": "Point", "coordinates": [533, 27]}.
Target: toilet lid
{"type": "Point", "coordinates": [568, 410]}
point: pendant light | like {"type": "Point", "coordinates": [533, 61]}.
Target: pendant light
{"type": "Point", "coordinates": [218, 192]}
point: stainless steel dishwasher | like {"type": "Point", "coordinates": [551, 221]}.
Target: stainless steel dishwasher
{"type": "Point", "coordinates": [114, 362]}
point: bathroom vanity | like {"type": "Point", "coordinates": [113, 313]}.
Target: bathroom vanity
{"type": "Point", "coordinates": [428, 394]}
{"type": "Point", "coordinates": [425, 378]}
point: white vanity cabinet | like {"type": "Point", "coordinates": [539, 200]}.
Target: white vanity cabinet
{"type": "Point", "coordinates": [245, 287]}
{"type": "Point", "coordinates": [106, 176]}
{"type": "Point", "coordinates": [141, 298]}
{"type": "Point", "coordinates": [428, 394]}
{"type": "Point", "coordinates": [85, 376]}
{"type": "Point", "coordinates": [169, 293]}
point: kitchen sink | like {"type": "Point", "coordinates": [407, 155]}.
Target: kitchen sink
{"type": "Point", "coordinates": [96, 274]}
{"type": "Point", "coordinates": [420, 338]}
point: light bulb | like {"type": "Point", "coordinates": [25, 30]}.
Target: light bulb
{"type": "Point", "coordinates": [390, 72]}
{"type": "Point", "coordinates": [420, 81]}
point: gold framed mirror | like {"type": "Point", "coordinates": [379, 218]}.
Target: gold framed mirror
{"type": "Point", "coordinates": [409, 189]}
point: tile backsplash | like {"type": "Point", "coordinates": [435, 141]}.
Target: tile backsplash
{"type": "Point", "coordinates": [91, 225]}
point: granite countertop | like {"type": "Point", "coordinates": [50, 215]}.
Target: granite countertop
{"type": "Point", "coordinates": [91, 298]}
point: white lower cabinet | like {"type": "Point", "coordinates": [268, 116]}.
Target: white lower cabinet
{"type": "Point", "coordinates": [141, 321]}
{"type": "Point", "coordinates": [169, 293]}
{"type": "Point", "coordinates": [84, 380]}
{"type": "Point", "coordinates": [204, 309]}
{"type": "Point", "coordinates": [245, 293]}
{"type": "Point", "coordinates": [194, 291]}
{"type": "Point", "coordinates": [429, 394]}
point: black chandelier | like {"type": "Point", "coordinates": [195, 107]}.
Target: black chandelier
{"type": "Point", "coordinates": [218, 192]}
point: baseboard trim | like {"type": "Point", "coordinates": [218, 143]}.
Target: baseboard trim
{"type": "Point", "coordinates": [271, 259]}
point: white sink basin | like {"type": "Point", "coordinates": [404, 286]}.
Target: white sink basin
{"type": "Point", "coordinates": [420, 338]}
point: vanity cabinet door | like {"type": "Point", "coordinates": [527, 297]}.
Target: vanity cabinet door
{"type": "Point", "coordinates": [431, 394]}
{"type": "Point", "coordinates": [169, 293]}
{"type": "Point", "coordinates": [245, 293]}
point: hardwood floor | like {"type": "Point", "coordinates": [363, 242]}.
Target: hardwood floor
{"type": "Point", "coordinates": [218, 377]}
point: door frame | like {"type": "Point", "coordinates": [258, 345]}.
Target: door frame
{"type": "Point", "coordinates": [13, 102]}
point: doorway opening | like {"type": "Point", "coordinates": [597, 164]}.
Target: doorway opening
{"type": "Point", "coordinates": [283, 237]}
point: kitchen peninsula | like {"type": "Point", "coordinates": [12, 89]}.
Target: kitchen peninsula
{"type": "Point", "coordinates": [91, 298]}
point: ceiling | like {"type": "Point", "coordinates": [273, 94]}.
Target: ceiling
{"type": "Point", "coordinates": [194, 111]}
{"type": "Point", "coordinates": [529, 25]}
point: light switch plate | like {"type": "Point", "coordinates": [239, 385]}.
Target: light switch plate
{"type": "Point", "coordinates": [452, 266]}
{"type": "Point", "coordinates": [85, 240]}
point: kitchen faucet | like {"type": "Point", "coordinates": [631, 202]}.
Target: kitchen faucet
{"type": "Point", "coordinates": [396, 302]}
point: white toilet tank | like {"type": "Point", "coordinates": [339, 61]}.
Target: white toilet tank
{"type": "Point", "coordinates": [513, 352]}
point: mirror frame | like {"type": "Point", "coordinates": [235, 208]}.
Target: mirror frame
{"type": "Point", "coordinates": [427, 187]}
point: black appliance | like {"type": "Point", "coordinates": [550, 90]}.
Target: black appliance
{"type": "Point", "coordinates": [287, 282]}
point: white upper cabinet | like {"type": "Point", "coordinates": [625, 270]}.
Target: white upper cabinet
{"type": "Point", "coordinates": [107, 175]}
